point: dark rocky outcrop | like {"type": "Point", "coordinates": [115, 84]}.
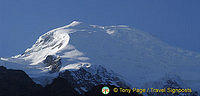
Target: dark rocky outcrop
{"type": "Point", "coordinates": [18, 83]}
{"type": "Point", "coordinates": [83, 79]}
{"type": "Point", "coordinates": [53, 62]}
{"type": "Point", "coordinates": [60, 87]}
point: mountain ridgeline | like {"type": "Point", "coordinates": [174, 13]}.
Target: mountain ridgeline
{"type": "Point", "coordinates": [88, 56]}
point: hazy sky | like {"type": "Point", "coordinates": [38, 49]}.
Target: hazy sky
{"type": "Point", "coordinates": [173, 21]}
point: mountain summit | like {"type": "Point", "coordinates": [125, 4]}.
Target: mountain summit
{"type": "Point", "coordinates": [135, 58]}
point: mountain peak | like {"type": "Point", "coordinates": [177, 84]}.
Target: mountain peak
{"type": "Point", "coordinates": [135, 55]}
{"type": "Point", "coordinates": [75, 23]}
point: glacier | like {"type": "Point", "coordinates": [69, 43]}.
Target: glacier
{"type": "Point", "coordinates": [142, 60]}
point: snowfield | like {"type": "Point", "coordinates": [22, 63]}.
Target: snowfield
{"type": "Point", "coordinates": [140, 59]}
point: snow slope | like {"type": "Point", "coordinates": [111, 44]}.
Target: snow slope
{"type": "Point", "coordinates": [140, 58]}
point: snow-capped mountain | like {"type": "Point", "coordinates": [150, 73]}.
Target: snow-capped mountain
{"type": "Point", "coordinates": [110, 52]}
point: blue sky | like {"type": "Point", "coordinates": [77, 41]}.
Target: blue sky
{"type": "Point", "coordinates": [173, 21]}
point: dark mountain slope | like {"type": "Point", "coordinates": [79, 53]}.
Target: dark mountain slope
{"type": "Point", "coordinates": [18, 83]}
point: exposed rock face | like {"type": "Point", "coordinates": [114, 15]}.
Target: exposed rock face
{"type": "Point", "coordinates": [83, 80]}
{"type": "Point", "coordinates": [18, 83]}
{"type": "Point", "coordinates": [69, 83]}
{"type": "Point", "coordinates": [60, 87]}
{"type": "Point", "coordinates": [53, 62]}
